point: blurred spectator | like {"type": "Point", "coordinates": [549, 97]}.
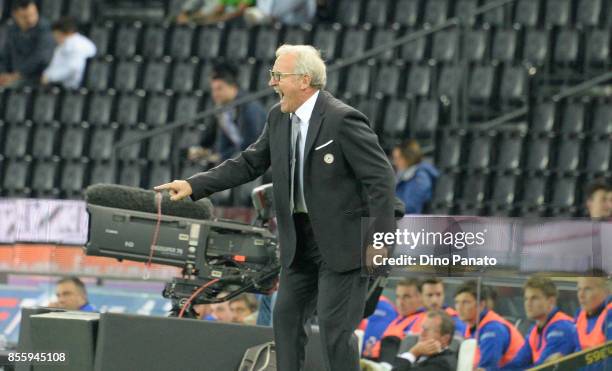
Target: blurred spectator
{"type": "Point", "coordinates": [374, 326]}
{"type": "Point", "coordinates": [415, 178]}
{"type": "Point", "coordinates": [236, 128]}
{"type": "Point", "coordinates": [290, 12]}
{"type": "Point", "coordinates": [594, 319]}
{"type": "Point", "coordinates": [28, 46]}
{"type": "Point", "coordinates": [71, 295]}
{"type": "Point", "coordinates": [598, 203]}
{"type": "Point", "coordinates": [432, 295]}
{"type": "Point", "coordinates": [204, 311]}
{"type": "Point", "coordinates": [409, 305]}
{"type": "Point", "coordinates": [430, 353]}
{"type": "Point", "coordinates": [70, 55]}
{"type": "Point", "coordinates": [221, 311]}
{"type": "Point", "coordinates": [553, 334]}
{"type": "Point", "coordinates": [212, 11]}
{"type": "Point", "coordinates": [244, 309]}
{"type": "Point", "coordinates": [498, 340]}
{"type": "Point", "coordinates": [266, 307]}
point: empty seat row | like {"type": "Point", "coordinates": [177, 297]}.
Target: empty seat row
{"type": "Point", "coordinates": [79, 141]}
{"type": "Point", "coordinates": [514, 153]}
{"type": "Point", "coordinates": [434, 12]}
{"type": "Point", "coordinates": [100, 108]}
{"type": "Point", "coordinates": [533, 45]}
{"type": "Point", "coordinates": [507, 194]}
{"type": "Point", "coordinates": [54, 178]}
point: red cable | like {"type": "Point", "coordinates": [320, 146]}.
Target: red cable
{"type": "Point", "coordinates": [158, 198]}
{"type": "Point", "coordinates": [196, 293]}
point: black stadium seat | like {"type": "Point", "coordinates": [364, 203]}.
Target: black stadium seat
{"type": "Point", "coordinates": [475, 45]}
{"type": "Point", "coordinates": [17, 140]}
{"type": "Point", "coordinates": [588, 12]}
{"type": "Point", "coordinates": [266, 43]}
{"type": "Point", "coordinates": [388, 80]}
{"type": "Point", "coordinates": [44, 142]}
{"type": "Point", "coordinates": [127, 74]}
{"type": "Point", "coordinates": [128, 109]}
{"type": "Point", "coordinates": [572, 119]}
{"type": "Point", "coordinates": [17, 183]}
{"type": "Point", "coordinates": [159, 147]}
{"type": "Point", "coordinates": [155, 75]}
{"type": "Point", "coordinates": [133, 151]}
{"type": "Point", "coordinates": [354, 43]}
{"type": "Point", "coordinates": [505, 42]}
{"type": "Point", "coordinates": [426, 119]}
{"type": "Point", "coordinates": [154, 42]}
{"type": "Point", "coordinates": [509, 154]}
{"type": "Point", "coordinates": [51, 9]}
{"type": "Point", "coordinates": [181, 41]}
{"type": "Point", "coordinates": [157, 110]}
{"type": "Point", "coordinates": [407, 12]}
{"type": "Point", "coordinates": [44, 108]}
{"type": "Point", "coordinates": [444, 192]}
{"type": "Point", "coordinates": [72, 108]}
{"type": "Point", "coordinates": [209, 42]}
{"type": "Point", "coordinates": [358, 80]}
{"type": "Point", "coordinates": [377, 12]}
{"type": "Point", "coordinates": [385, 36]}
{"type": "Point", "coordinates": [538, 154]}
{"type": "Point", "coordinates": [568, 155]}
{"type": "Point", "coordinates": [598, 48]}
{"type": "Point", "coordinates": [101, 147]}
{"type": "Point", "coordinates": [326, 40]}
{"type": "Point", "coordinates": [504, 190]}
{"type": "Point", "coordinates": [237, 44]}
{"type": "Point", "coordinates": [184, 76]}
{"type": "Point", "coordinates": [527, 13]}
{"type": "Point", "coordinates": [100, 109]}
{"type": "Point", "coordinates": [449, 150]}
{"type": "Point", "coordinates": [17, 107]}
{"type": "Point", "coordinates": [159, 174]}
{"type": "Point", "coordinates": [72, 179]}
{"type": "Point", "coordinates": [99, 73]}
{"type": "Point", "coordinates": [102, 172]}
{"type": "Point", "coordinates": [536, 49]}
{"type": "Point", "coordinates": [100, 35]}
{"type": "Point", "coordinates": [73, 142]}
{"type": "Point", "coordinates": [558, 12]}
{"type": "Point", "coordinates": [598, 156]}
{"type": "Point", "coordinates": [464, 10]}
{"type": "Point", "coordinates": [480, 146]}
{"type": "Point", "coordinates": [349, 12]}
{"type": "Point", "coordinates": [419, 80]}
{"type": "Point", "coordinates": [445, 45]}
{"type": "Point", "coordinates": [435, 12]}
{"type": "Point", "coordinates": [127, 41]}
{"type": "Point", "coordinates": [44, 179]}
{"type": "Point", "coordinates": [131, 175]}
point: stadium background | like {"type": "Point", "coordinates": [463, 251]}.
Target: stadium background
{"type": "Point", "coordinates": [490, 98]}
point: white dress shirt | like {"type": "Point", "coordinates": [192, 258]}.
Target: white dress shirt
{"type": "Point", "coordinates": [304, 112]}
{"type": "Point", "coordinates": [69, 61]}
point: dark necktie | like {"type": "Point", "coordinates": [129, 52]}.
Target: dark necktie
{"type": "Point", "coordinates": [295, 162]}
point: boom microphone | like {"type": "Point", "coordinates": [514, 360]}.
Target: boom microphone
{"type": "Point", "coordinates": [131, 198]}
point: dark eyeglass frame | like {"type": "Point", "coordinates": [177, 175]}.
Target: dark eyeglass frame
{"type": "Point", "coordinates": [277, 76]}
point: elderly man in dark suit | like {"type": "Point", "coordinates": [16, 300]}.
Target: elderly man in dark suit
{"type": "Point", "coordinates": [329, 171]}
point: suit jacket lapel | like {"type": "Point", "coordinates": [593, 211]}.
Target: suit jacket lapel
{"type": "Point", "coordinates": [315, 122]}
{"type": "Point", "coordinates": [284, 139]}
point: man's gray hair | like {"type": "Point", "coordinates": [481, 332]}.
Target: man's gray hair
{"type": "Point", "coordinates": [308, 62]}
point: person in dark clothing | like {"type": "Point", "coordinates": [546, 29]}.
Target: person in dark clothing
{"type": "Point", "coordinates": [415, 177]}
{"type": "Point", "coordinates": [237, 128]}
{"type": "Point", "coordinates": [430, 353]}
{"type": "Point", "coordinates": [28, 47]}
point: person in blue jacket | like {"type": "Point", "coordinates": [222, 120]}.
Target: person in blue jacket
{"type": "Point", "coordinates": [72, 295]}
{"type": "Point", "coordinates": [553, 334]}
{"type": "Point", "coordinates": [415, 177]}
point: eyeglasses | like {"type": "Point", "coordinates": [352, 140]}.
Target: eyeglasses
{"type": "Point", "coordinates": [276, 76]}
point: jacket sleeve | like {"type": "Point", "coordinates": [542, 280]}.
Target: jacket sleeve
{"type": "Point", "coordinates": [494, 338]}
{"type": "Point", "coordinates": [41, 56]}
{"type": "Point", "coordinates": [371, 167]}
{"type": "Point", "coordinates": [244, 167]}
{"type": "Point", "coordinates": [417, 192]}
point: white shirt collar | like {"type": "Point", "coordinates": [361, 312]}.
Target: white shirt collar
{"type": "Point", "coordinates": [304, 112]}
